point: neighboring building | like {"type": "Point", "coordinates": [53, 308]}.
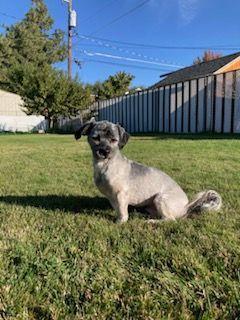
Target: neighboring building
{"type": "Point", "coordinates": [201, 70]}
{"type": "Point", "coordinates": [14, 119]}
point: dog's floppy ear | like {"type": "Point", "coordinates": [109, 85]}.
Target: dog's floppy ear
{"type": "Point", "coordinates": [123, 135]}
{"type": "Point", "coordinates": [85, 129]}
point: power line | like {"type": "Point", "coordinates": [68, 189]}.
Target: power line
{"type": "Point", "coordinates": [141, 4]}
{"type": "Point", "coordinates": [97, 12]}
{"type": "Point", "coordinates": [133, 53]}
{"type": "Point", "coordinates": [119, 64]}
{"type": "Point", "coordinates": [106, 55]}
{"type": "Point", "coordinates": [9, 16]}
{"type": "Point", "coordinates": [152, 46]}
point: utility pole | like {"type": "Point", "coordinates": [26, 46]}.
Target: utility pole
{"type": "Point", "coordinates": [69, 40]}
{"type": "Point", "coordinates": [72, 23]}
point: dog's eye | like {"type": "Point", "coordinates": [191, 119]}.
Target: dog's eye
{"type": "Point", "coordinates": [113, 140]}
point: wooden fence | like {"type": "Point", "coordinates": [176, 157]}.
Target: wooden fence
{"type": "Point", "coordinates": [210, 104]}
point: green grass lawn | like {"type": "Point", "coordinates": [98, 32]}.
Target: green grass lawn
{"type": "Point", "coordinates": [63, 257]}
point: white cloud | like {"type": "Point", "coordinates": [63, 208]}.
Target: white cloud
{"type": "Point", "coordinates": [188, 10]}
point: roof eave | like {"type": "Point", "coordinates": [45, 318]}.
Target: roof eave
{"type": "Point", "coordinates": [221, 70]}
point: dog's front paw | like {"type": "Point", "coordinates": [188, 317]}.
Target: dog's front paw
{"type": "Point", "coordinates": [121, 220]}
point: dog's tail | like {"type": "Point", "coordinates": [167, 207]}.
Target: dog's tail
{"type": "Point", "coordinates": [204, 201]}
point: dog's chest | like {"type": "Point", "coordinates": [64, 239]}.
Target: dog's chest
{"type": "Point", "coordinates": [107, 179]}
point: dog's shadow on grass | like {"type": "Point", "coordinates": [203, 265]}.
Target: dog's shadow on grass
{"type": "Point", "coordinates": [69, 204]}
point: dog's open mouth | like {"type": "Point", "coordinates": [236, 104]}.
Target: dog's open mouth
{"type": "Point", "coordinates": [102, 153]}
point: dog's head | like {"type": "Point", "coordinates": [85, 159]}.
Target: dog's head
{"type": "Point", "coordinates": [104, 137]}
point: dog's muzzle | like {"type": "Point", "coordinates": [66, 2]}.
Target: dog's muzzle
{"type": "Point", "coordinates": [103, 153]}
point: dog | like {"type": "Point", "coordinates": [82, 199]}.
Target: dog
{"type": "Point", "coordinates": [127, 183]}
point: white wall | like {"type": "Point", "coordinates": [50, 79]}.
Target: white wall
{"type": "Point", "coordinates": [12, 115]}
{"type": "Point", "coordinates": [22, 123]}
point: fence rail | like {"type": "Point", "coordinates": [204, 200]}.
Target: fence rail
{"type": "Point", "coordinates": [200, 105]}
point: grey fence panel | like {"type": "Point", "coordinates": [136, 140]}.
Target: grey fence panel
{"type": "Point", "coordinates": [116, 111]}
{"type": "Point", "coordinates": [140, 111]}
{"type": "Point", "coordinates": [132, 101]}
{"type": "Point", "coordinates": [227, 111]}
{"type": "Point", "coordinates": [136, 112]}
{"type": "Point", "coordinates": [167, 109]}
{"type": "Point", "coordinates": [107, 110]}
{"type": "Point", "coordinates": [149, 110]}
{"type": "Point", "coordinates": [119, 103]}
{"type": "Point", "coordinates": [129, 113]}
{"type": "Point", "coordinates": [186, 104]}
{"type": "Point", "coordinates": [132, 124]}
{"type": "Point", "coordinates": [219, 104]}
{"type": "Point", "coordinates": [160, 116]}
{"type": "Point", "coordinates": [209, 104]}
{"type": "Point", "coordinates": [112, 109]}
{"type": "Point", "coordinates": [145, 111]}
{"type": "Point", "coordinates": [237, 104]}
{"type": "Point", "coordinates": [179, 108]}
{"type": "Point", "coordinates": [156, 113]}
{"type": "Point", "coordinates": [121, 110]}
{"type": "Point", "coordinates": [154, 110]}
{"type": "Point", "coordinates": [100, 110]}
{"type": "Point", "coordinates": [122, 113]}
{"type": "Point", "coordinates": [117, 108]}
{"type": "Point", "coordinates": [125, 112]}
{"type": "Point", "coordinates": [172, 107]}
{"type": "Point", "coordinates": [193, 105]}
{"type": "Point", "coordinates": [201, 105]}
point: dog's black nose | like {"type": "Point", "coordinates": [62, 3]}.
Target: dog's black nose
{"type": "Point", "coordinates": [105, 152]}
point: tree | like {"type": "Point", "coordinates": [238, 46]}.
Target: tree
{"type": "Point", "coordinates": [115, 85]}
{"type": "Point", "coordinates": [51, 94]}
{"type": "Point", "coordinates": [207, 56]}
{"type": "Point", "coordinates": [29, 42]}
{"type": "Point", "coordinates": [28, 51]}
{"type": "Point", "coordinates": [120, 82]}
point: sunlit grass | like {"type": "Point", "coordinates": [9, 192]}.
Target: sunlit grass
{"type": "Point", "coordinates": [63, 257]}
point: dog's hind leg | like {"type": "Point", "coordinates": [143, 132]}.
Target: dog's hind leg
{"type": "Point", "coordinates": [162, 210]}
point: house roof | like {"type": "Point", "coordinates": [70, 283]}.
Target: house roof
{"type": "Point", "coordinates": [195, 71]}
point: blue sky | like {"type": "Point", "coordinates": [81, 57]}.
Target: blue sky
{"type": "Point", "coordinates": [193, 23]}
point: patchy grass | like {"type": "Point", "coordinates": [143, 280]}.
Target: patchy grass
{"type": "Point", "coordinates": [62, 256]}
